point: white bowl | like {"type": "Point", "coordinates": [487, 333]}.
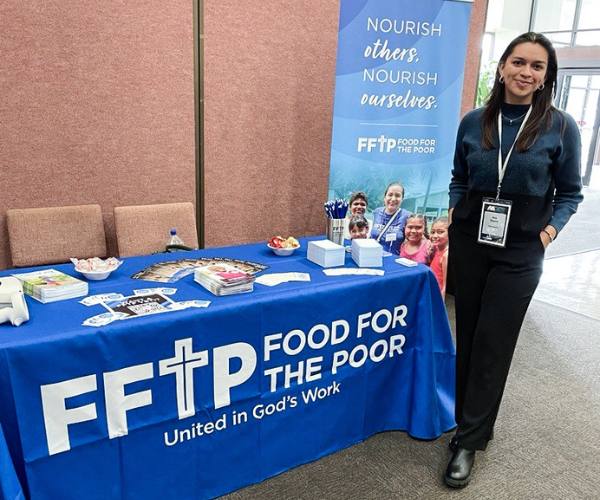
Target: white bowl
{"type": "Point", "coordinates": [100, 274]}
{"type": "Point", "coordinates": [283, 252]}
{"type": "Point", "coordinates": [96, 275]}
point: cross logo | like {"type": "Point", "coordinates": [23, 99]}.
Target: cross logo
{"type": "Point", "coordinates": [182, 365]}
{"type": "Point", "coordinates": [59, 416]}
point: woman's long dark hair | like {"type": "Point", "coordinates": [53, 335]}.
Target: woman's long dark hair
{"type": "Point", "coordinates": [541, 103]}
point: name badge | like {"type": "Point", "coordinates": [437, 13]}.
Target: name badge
{"type": "Point", "coordinates": [390, 236]}
{"type": "Point", "coordinates": [493, 225]}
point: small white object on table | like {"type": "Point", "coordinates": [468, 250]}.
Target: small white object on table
{"type": "Point", "coordinates": [96, 269]}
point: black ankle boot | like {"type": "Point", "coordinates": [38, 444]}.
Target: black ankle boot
{"type": "Point", "coordinates": [458, 472]}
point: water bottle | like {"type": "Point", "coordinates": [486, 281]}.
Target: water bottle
{"type": "Point", "coordinates": [174, 239]}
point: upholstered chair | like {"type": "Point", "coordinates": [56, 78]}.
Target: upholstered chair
{"type": "Point", "coordinates": [52, 235]}
{"type": "Point", "coordinates": [144, 229]}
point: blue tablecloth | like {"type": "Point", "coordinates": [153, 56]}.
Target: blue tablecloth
{"type": "Point", "coordinates": [95, 412]}
{"type": "Point", "coordinates": [10, 488]}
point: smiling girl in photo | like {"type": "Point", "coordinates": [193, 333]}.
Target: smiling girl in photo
{"type": "Point", "coordinates": [439, 257]}
{"type": "Point", "coordinates": [416, 246]}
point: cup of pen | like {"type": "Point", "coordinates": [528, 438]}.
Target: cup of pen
{"type": "Point", "coordinates": [336, 216]}
{"type": "Point", "coordinates": [335, 230]}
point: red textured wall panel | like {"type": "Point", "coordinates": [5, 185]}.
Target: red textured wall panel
{"type": "Point", "coordinates": [269, 82]}
{"type": "Point", "coordinates": [97, 105]}
{"type": "Point", "coordinates": [473, 57]}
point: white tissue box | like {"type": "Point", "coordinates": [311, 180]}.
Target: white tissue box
{"type": "Point", "coordinates": [367, 253]}
{"type": "Point", "coordinates": [325, 253]}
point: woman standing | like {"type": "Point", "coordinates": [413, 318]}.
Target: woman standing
{"type": "Point", "coordinates": [507, 204]}
{"type": "Point", "coordinates": [389, 220]}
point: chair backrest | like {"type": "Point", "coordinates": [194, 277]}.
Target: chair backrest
{"type": "Point", "coordinates": [55, 234]}
{"type": "Point", "coordinates": [144, 229]}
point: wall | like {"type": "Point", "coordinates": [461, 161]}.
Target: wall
{"type": "Point", "coordinates": [98, 108]}
{"type": "Point", "coordinates": [97, 105]}
{"type": "Point", "coordinates": [269, 81]}
{"type": "Point", "coordinates": [473, 57]}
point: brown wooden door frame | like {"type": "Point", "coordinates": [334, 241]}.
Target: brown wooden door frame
{"type": "Point", "coordinates": [199, 115]}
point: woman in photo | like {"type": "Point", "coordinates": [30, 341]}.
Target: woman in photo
{"type": "Point", "coordinates": [389, 220]}
{"type": "Point", "coordinates": [507, 204]}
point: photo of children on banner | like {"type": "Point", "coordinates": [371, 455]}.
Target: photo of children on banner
{"type": "Point", "coordinates": [358, 227]}
{"type": "Point", "coordinates": [389, 221]}
{"type": "Point", "coordinates": [357, 205]}
{"type": "Point", "coordinates": [416, 245]}
{"type": "Point", "coordinates": [439, 257]}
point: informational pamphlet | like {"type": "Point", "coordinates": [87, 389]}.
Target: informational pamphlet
{"type": "Point", "coordinates": [51, 285]}
{"type": "Point", "coordinates": [224, 279]}
{"type": "Point", "coordinates": [171, 271]}
{"type": "Point", "coordinates": [274, 279]}
{"type": "Point", "coordinates": [138, 305]}
{"type": "Point", "coordinates": [348, 271]}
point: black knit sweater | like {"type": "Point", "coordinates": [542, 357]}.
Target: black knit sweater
{"type": "Point", "coordinates": [544, 182]}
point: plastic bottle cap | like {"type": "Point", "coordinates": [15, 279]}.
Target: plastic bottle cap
{"type": "Point", "coordinates": [173, 231]}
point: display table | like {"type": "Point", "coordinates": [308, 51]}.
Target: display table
{"type": "Point", "coordinates": [199, 402]}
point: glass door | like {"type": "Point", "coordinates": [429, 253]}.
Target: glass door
{"type": "Point", "coordinates": [578, 94]}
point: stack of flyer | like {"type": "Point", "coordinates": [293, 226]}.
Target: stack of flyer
{"type": "Point", "coordinates": [367, 253]}
{"type": "Point", "coordinates": [224, 279]}
{"type": "Point", "coordinates": [51, 285]}
{"type": "Point", "coordinates": [326, 253]}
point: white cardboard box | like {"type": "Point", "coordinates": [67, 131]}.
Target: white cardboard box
{"type": "Point", "coordinates": [326, 253]}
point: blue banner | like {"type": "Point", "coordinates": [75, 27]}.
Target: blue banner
{"type": "Point", "coordinates": [397, 99]}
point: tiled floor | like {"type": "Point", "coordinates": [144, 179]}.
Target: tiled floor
{"type": "Point", "coordinates": [572, 282]}
{"type": "Point", "coordinates": [582, 233]}
{"type": "Point", "coordinates": [571, 278]}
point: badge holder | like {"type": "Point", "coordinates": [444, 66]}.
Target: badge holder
{"type": "Point", "coordinates": [495, 213]}
{"type": "Point", "coordinates": [493, 224]}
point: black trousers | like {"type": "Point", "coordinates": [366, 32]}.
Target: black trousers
{"type": "Point", "coordinates": [493, 288]}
